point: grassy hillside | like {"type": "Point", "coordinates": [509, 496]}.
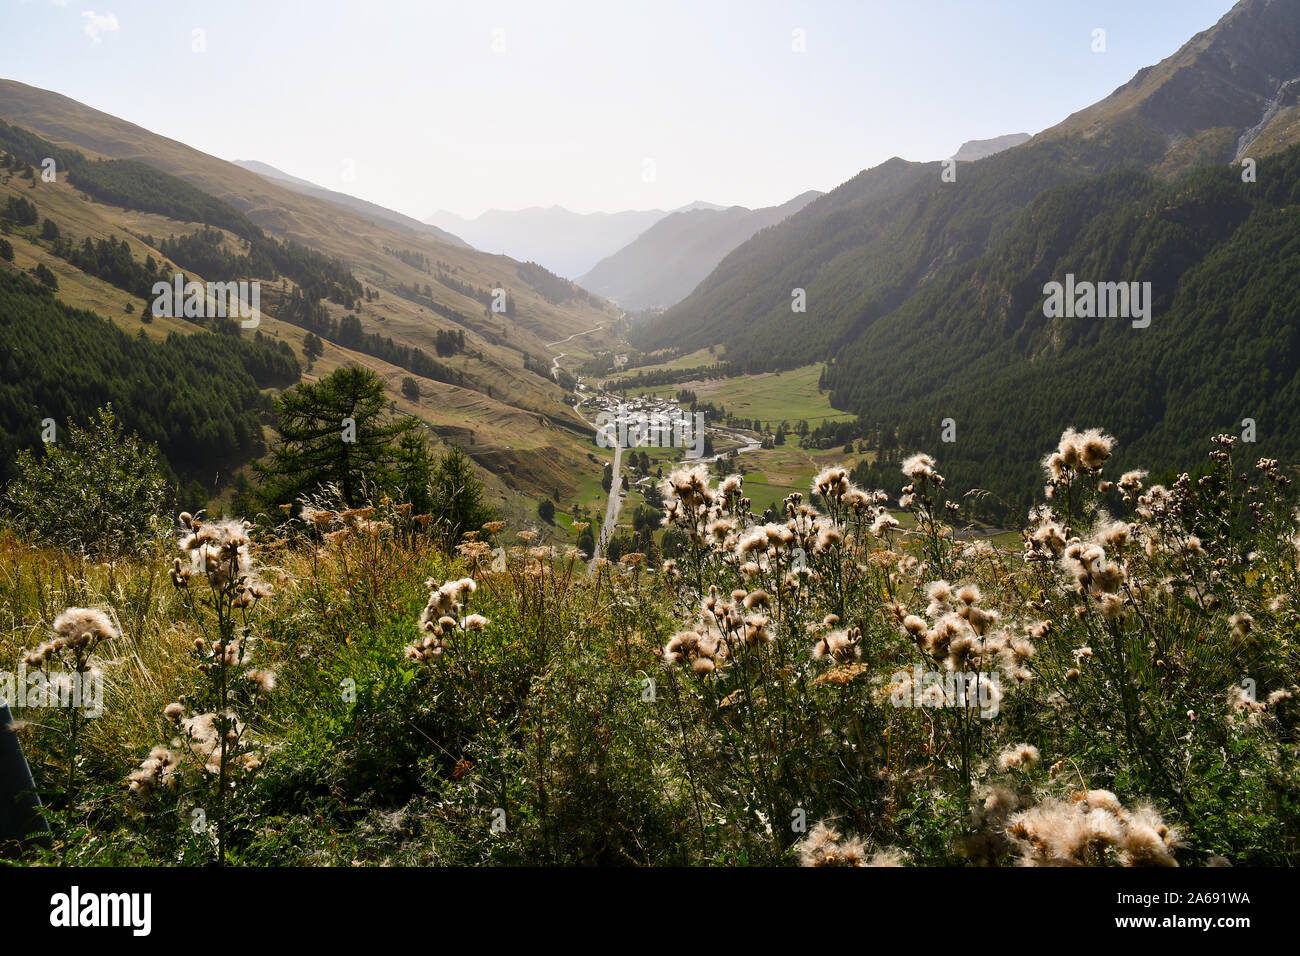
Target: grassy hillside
{"type": "Point", "coordinates": [496, 395]}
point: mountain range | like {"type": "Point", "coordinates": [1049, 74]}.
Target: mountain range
{"type": "Point", "coordinates": [666, 262]}
{"type": "Point", "coordinates": [128, 205]}
{"type": "Point", "coordinates": [663, 264]}
{"type": "Point", "coordinates": [568, 243]}
{"type": "Point", "coordinates": [924, 296]}
{"type": "Point", "coordinates": [918, 287]}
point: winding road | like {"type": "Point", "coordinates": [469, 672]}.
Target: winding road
{"type": "Point", "coordinates": [555, 362]}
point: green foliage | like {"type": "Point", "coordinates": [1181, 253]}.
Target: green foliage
{"type": "Point", "coordinates": [551, 287]}
{"type": "Point", "coordinates": [1221, 346]}
{"type": "Point", "coordinates": [457, 492]}
{"type": "Point", "coordinates": [871, 243]}
{"type": "Point", "coordinates": [306, 312]}
{"type": "Point", "coordinates": [546, 510]}
{"type": "Point", "coordinates": [96, 489]}
{"type": "Point", "coordinates": [413, 472]}
{"type": "Point", "coordinates": [710, 712]}
{"type": "Point", "coordinates": [132, 184]}
{"type": "Point", "coordinates": [46, 277]}
{"type": "Point", "coordinates": [19, 211]}
{"type": "Point", "coordinates": [312, 347]}
{"type": "Point", "coordinates": [112, 262]}
{"type": "Point", "coordinates": [196, 396]}
{"type": "Point", "coordinates": [332, 432]}
{"type": "Point", "coordinates": [318, 276]}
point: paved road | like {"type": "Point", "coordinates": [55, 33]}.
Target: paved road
{"type": "Point", "coordinates": [612, 508]}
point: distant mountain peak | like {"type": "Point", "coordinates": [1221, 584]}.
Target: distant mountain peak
{"type": "Point", "coordinates": [664, 263]}
{"type": "Point", "coordinates": [974, 149]}
{"type": "Point", "coordinates": [567, 243]}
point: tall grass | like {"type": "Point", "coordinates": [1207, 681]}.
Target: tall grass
{"type": "Point", "coordinates": [782, 692]}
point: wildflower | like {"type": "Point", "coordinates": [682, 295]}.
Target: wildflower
{"type": "Point", "coordinates": [1114, 535]}
{"type": "Point", "coordinates": [692, 647]}
{"type": "Point", "coordinates": [82, 628]}
{"type": "Point", "coordinates": [919, 468]}
{"type": "Point", "coordinates": [824, 846]}
{"type": "Point", "coordinates": [159, 769]}
{"type": "Point", "coordinates": [1018, 757]}
{"type": "Point", "coordinates": [1087, 829]}
{"type": "Point", "coordinates": [884, 523]}
{"type": "Point", "coordinates": [889, 856]}
{"type": "Point", "coordinates": [857, 500]}
{"type": "Point", "coordinates": [1084, 451]}
{"type": "Point", "coordinates": [756, 630]}
{"type": "Point", "coordinates": [940, 593]}
{"type": "Point", "coordinates": [1130, 482]}
{"type": "Point", "coordinates": [841, 646]}
{"type": "Point", "coordinates": [827, 536]}
{"type": "Point", "coordinates": [840, 675]}
{"type": "Point", "coordinates": [831, 483]}
{"type": "Point", "coordinates": [1001, 801]}
{"type": "Point", "coordinates": [1048, 538]}
{"type": "Point", "coordinates": [262, 679]}
{"type": "Point", "coordinates": [914, 626]}
{"type": "Point", "coordinates": [719, 528]}
{"type": "Point", "coordinates": [1110, 606]}
{"type": "Point", "coordinates": [203, 736]}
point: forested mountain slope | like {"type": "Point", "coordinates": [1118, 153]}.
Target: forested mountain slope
{"type": "Point", "coordinates": [1223, 345]}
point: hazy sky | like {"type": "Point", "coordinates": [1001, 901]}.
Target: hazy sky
{"type": "Point", "coordinates": [600, 105]}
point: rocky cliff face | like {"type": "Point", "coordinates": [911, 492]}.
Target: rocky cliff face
{"type": "Point", "coordinates": [1217, 95]}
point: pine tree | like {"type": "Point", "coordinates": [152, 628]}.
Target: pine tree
{"type": "Point", "coordinates": [414, 472]}
{"type": "Point", "coordinates": [332, 432]}
{"type": "Point", "coordinates": [458, 504]}
{"type": "Point", "coordinates": [312, 347]}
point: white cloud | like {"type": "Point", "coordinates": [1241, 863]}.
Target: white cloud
{"type": "Point", "coordinates": [59, 3]}
{"type": "Point", "coordinates": [99, 23]}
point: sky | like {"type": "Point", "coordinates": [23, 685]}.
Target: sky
{"type": "Point", "coordinates": [594, 106]}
